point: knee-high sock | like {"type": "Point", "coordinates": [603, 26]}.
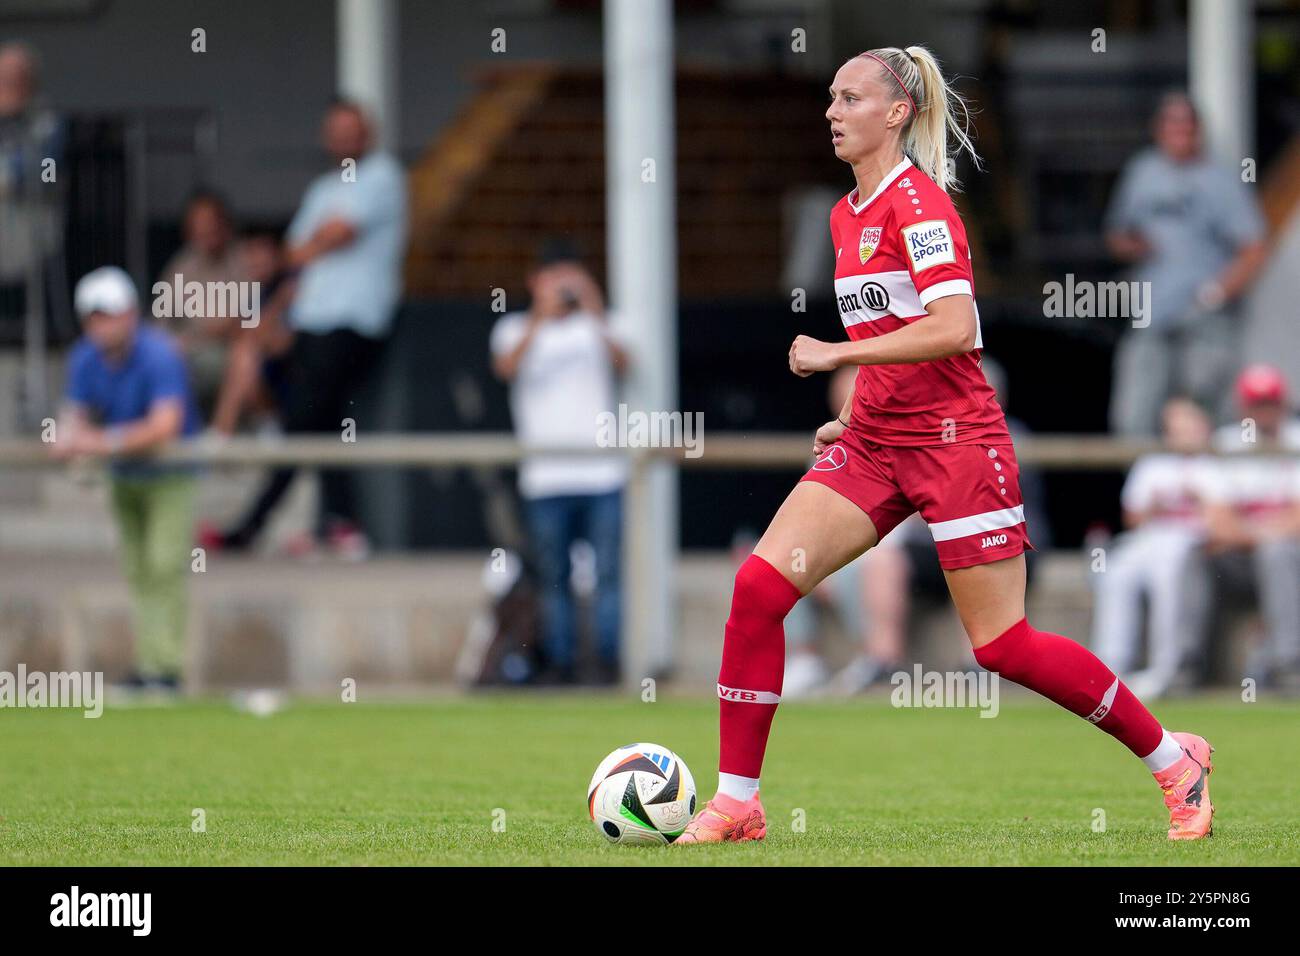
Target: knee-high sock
{"type": "Point", "coordinates": [1069, 674]}
{"type": "Point", "coordinates": [753, 665]}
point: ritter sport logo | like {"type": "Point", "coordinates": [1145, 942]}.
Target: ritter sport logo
{"type": "Point", "coordinates": [929, 244]}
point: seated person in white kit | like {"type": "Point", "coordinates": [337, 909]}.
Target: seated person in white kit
{"type": "Point", "coordinates": [1160, 558]}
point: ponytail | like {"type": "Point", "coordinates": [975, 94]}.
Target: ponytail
{"type": "Point", "coordinates": [938, 113]}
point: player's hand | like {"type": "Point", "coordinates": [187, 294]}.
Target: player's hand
{"type": "Point", "coordinates": [827, 435]}
{"type": "Point", "coordinates": [808, 355]}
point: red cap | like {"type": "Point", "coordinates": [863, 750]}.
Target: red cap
{"type": "Point", "coordinates": [1261, 383]}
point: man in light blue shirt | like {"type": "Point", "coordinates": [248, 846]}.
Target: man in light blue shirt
{"type": "Point", "coordinates": [349, 234]}
{"type": "Point", "coordinates": [347, 242]}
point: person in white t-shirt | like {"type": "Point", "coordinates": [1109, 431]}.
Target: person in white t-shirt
{"type": "Point", "coordinates": [560, 359]}
{"type": "Point", "coordinates": [1160, 557]}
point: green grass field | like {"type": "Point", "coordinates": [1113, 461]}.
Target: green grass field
{"type": "Point", "coordinates": [418, 783]}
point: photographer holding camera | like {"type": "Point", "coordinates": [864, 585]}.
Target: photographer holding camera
{"type": "Point", "coordinates": [560, 359]}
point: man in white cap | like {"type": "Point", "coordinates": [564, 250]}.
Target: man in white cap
{"type": "Point", "coordinates": [127, 397]}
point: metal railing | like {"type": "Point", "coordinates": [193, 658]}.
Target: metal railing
{"type": "Point", "coordinates": [728, 450]}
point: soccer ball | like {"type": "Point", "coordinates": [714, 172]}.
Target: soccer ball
{"type": "Point", "coordinates": [641, 793]}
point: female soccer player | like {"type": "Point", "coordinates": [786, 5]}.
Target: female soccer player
{"type": "Point", "coordinates": [923, 432]}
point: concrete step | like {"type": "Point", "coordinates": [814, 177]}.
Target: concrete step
{"type": "Point", "coordinates": [68, 513]}
{"type": "Point", "coordinates": [390, 621]}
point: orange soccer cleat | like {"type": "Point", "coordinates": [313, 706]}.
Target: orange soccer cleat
{"type": "Point", "coordinates": [1186, 786]}
{"type": "Point", "coordinates": [726, 819]}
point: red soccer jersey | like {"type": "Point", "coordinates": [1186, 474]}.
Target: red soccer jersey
{"type": "Point", "coordinates": [896, 252]}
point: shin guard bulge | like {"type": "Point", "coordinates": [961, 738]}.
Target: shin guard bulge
{"type": "Point", "coordinates": [753, 665]}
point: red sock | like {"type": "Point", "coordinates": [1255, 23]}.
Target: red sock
{"type": "Point", "coordinates": [753, 665]}
{"type": "Point", "coordinates": [1067, 673]}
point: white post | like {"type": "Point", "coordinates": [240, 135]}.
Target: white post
{"type": "Point", "coordinates": [367, 54]}
{"type": "Point", "coordinates": [1221, 75]}
{"type": "Point", "coordinates": [642, 273]}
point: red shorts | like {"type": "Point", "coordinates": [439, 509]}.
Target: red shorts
{"type": "Point", "coordinates": [968, 494]}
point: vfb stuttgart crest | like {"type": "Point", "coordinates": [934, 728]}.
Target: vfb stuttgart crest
{"type": "Point", "coordinates": [867, 244]}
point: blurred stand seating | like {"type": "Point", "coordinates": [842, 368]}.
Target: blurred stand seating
{"type": "Point", "coordinates": [526, 160]}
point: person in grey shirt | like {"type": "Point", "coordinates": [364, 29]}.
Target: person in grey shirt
{"type": "Point", "coordinates": [1193, 230]}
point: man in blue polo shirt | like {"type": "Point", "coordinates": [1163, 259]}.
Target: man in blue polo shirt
{"type": "Point", "coordinates": [128, 396]}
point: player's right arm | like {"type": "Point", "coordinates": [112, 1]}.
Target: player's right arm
{"type": "Point", "coordinates": [948, 328]}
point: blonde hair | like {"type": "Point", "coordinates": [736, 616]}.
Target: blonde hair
{"type": "Point", "coordinates": [939, 114]}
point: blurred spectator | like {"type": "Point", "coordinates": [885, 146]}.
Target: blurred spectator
{"type": "Point", "coordinates": [1266, 422]}
{"type": "Point", "coordinates": [1254, 521]}
{"type": "Point", "coordinates": [346, 241]}
{"type": "Point", "coordinates": [31, 213]}
{"type": "Point", "coordinates": [209, 255]}
{"type": "Point", "coordinates": [560, 358]}
{"type": "Point", "coordinates": [257, 381]}
{"type": "Point", "coordinates": [127, 396]}
{"type": "Point", "coordinates": [1160, 558]}
{"type": "Point", "coordinates": [256, 375]}
{"type": "Point", "coordinates": [1192, 230]}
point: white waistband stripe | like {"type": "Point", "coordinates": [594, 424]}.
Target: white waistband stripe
{"type": "Point", "coordinates": [988, 521]}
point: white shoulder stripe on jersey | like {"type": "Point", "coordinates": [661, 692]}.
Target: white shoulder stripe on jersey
{"type": "Point", "coordinates": [941, 289]}
{"type": "Point", "coordinates": [954, 287]}
{"type": "Point", "coordinates": [988, 521]}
